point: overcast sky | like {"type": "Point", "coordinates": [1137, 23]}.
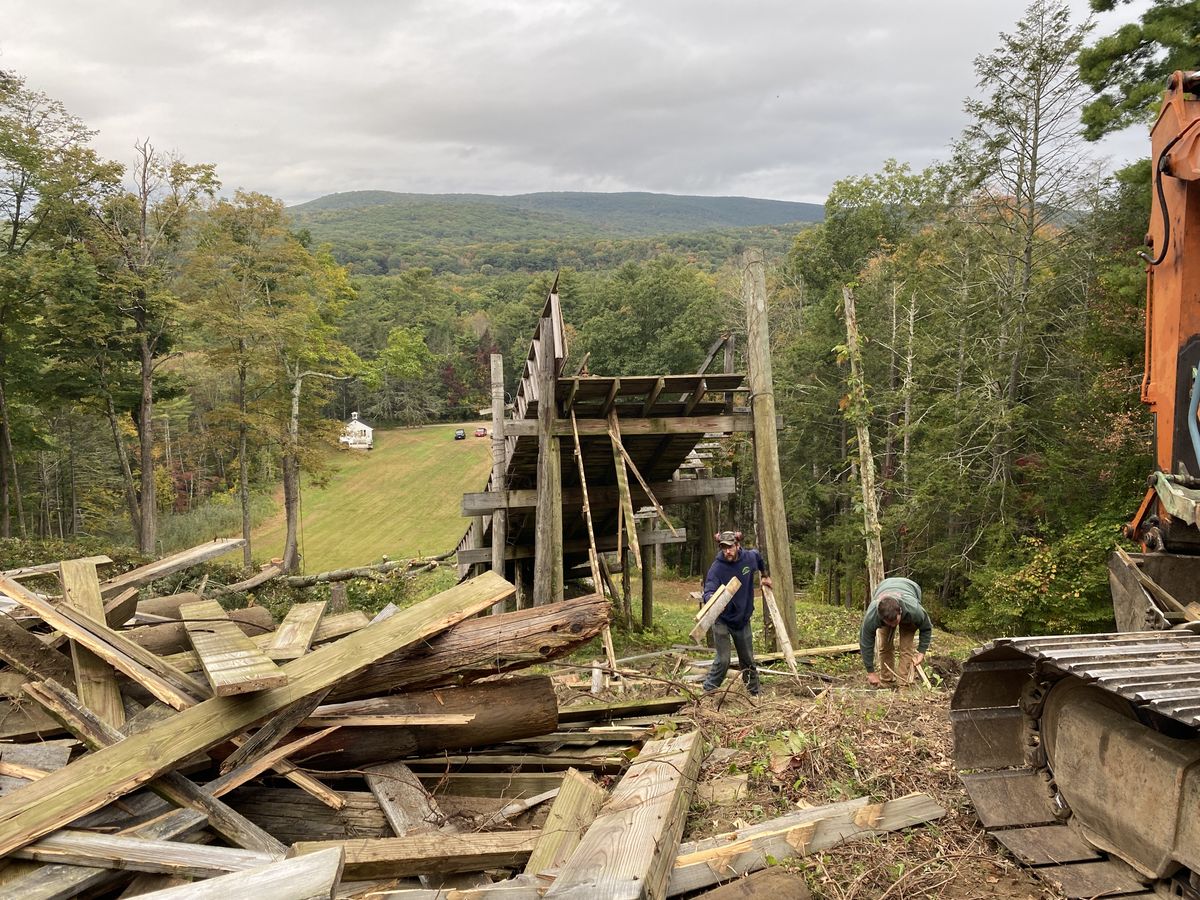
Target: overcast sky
{"type": "Point", "coordinates": [761, 98]}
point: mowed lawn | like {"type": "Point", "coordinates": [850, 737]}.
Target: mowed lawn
{"type": "Point", "coordinates": [401, 499]}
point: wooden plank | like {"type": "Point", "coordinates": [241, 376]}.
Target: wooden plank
{"type": "Point", "coordinates": [332, 627]}
{"type": "Point", "coordinates": [295, 633]}
{"type": "Point", "coordinates": [607, 712]}
{"type": "Point", "coordinates": [113, 851]}
{"type": "Point", "coordinates": [507, 785]}
{"type": "Point", "coordinates": [40, 758]}
{"type": "Point", "coordinates": [50, 568]}
{"type": "Point", "coordinates": [1088, 880]}
{"type": "Point", "coordinates": [766, 884]}
{"type": "Point", "coordinates": [732, 855]}
{"type": "Point", "coordinates": [781, 631]}
{"type": "Point", "coordinates": [168, 565]}
{"type": "Point", "coordinates": [628, 850]}
{"type": "Point", "coordinates": [165, 682]}
{"type": "Point", "coordinates": [24, 652]}
{"type": "Point", "coordinates": [716, 604]}
{"type": "Point", "coordinates": [292, 815]}
{"type": "Point", "coordinates": [232, 662]}
{"type": "Point", "coordinates": [407, 806]}
{"type": "Point", "coordinates": [92, 781]}
{"type": "Point", "coordinates": [118, 610]}
{"type": "Point", "coordinates": [574, 809]}
{"type": "Point", "coordinates": [172, 786]}
{"type": "Point", "coordinates": [312, 877]}
{"type": "Point", "coordinates": [429, 854]}
{"type": "Point", "coordinates": [273, 731]}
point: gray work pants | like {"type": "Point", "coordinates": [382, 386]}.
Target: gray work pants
{"type": "Point", "coordinates": [743, 639]}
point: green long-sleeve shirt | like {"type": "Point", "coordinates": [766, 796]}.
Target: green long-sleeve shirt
{"type": "Point", "coordinates": [908, 592]}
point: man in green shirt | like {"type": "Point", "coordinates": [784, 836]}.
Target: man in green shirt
{"type": "Point", "coordinates": [895, 609]}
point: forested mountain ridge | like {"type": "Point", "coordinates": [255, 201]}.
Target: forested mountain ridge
{"type": "Point", "coordinates": [382, 232]}
{"type": "Point", "coordinates": [547, 214]}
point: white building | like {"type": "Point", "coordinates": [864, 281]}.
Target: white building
{"type": "Point", "coordinates": [358, 435]}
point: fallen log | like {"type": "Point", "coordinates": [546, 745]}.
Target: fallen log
{"type": "Point", "coordinates": [481, 647]}
{"type": "Point", "coordinates": [503, 710]}
{"type": "Point", "coordinates": [303, 581]}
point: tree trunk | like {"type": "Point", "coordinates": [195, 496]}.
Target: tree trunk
{"type": "Point", "coordinates": [131, 502]}
{"type": "Point", "coordinates": [858, 409]}
{"type": "Point", "coordinates": [148, 533]}
{"type": "Point", "coordinates": [291, 482]}
{"type": "Point", "coordinates": [15, 484]}
{"type": "Point", "coordinates": [243, 461]}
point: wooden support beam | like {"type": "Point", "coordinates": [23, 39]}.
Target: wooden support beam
{"type": "Point", "coordinates": [273, 731]}
{"type": "Point", "coordinates": [232, 662]}
{"type": "Point", "coordinates": [574, 809]}
{"type": "Point", "coordinates": [628, 851]}
{"type": "Point", "coordinates": [164, 681]}
{"type": "Point", "coordinates": [696, 396]}
{"type": "Point", "coordinates": [315, 876]}
{"type": "Point", "coordinates": [548, 563]}
{"type": "Point", "coordinates": [295, 633]}
{"type": "Point", "coordinates": [732, 423]}
{"type": "Point", "coordinates": [569, 402]}
{"type": "Point", "coordinates": [602, 497]}
{"type": "Point", "coordinates": [428, 854]}
{"type": "Point", "coordinates": [95, 680]}
{"type": "Point", "coordinates": [626, 505]}
{"type": "Point", "coordinates": [711, 611]}
{"type": "Point", "coordinates": [92, 781]}
{"type": "Point", "coordinates": [114, 851]}
{"type": "Point", "coordinates": [611, 398]}
{"type": "Point", "coordinates": [652, 397]}
{"type": "Point", "coordinates": [499, 465]}
{"type": "Point", "coordinates": [766, 442]}
{"type": "Point", "coordinates": [50, 568]}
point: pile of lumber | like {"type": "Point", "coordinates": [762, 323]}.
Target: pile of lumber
{"type": "Point", "coordinates": [169, 748]}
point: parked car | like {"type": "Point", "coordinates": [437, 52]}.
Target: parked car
{"type": "Point", "coordinates": [460, 435]}
{"type": "Point", "coordinates": [480, 432]}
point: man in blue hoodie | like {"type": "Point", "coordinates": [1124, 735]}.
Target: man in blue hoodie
{"type": "Point", "coordinates": [734, 623]}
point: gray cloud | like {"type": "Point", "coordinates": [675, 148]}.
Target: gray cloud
{"type": "Point", "coordinates": [766, 98]}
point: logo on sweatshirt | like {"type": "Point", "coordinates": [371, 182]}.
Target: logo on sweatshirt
{"type": "Point", "coordinates": [745, 570]}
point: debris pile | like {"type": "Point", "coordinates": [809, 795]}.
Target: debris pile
{"type": "Point", "coordinates": [169, 748]}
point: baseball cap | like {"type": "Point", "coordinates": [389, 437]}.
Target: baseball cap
{"type": "Point", "coordinates": [726, 538]}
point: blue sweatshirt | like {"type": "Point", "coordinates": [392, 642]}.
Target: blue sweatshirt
{"type": "Point", "coordinates": [737, 614]}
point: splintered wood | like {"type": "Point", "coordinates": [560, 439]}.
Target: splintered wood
{"type": "Point", "coordinates": [447, 768]}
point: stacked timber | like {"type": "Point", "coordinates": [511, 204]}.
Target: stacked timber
{"type": "Point", "coordinates": [335, 757]}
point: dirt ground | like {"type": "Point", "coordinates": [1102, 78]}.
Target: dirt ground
{"type": "Point", "coordinates": [809, 742]}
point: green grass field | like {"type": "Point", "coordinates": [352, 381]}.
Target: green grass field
{"type": "Point", "coordinates": [400, 499]}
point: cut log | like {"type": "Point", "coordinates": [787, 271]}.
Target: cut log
{"type": "Point", "coordinates": [503, 710]}
{"type": "Point", "coordinates": [430, 854]}
{"type": "Point", "coordinates": [574, 809]}
{"type": "Point", "coordinates": [479, 648]}
{"type": "Point", "coordinates": [232, 662]}
{"type": "Point", "coordinates": [712, 610]}
{"type": "Point", "coordinates": [312, 877]}
{"type": "Point", "coordinates": [92, 781]}
{"type": "Point", "coordinates": [295, 633]}
{"type": "Point", "coordinates": [629, 849]}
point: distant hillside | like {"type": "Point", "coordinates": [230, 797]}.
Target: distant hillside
{"type": "Point", "coordinates": [375, 232]}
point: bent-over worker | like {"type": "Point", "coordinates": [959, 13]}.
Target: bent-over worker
{"type": "Point", "coordinates": [895, 608]}
{"type": "Point", "coordinates": [734, 623]}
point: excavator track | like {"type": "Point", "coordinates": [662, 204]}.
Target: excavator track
{"type": "Point", "coordinates": [1081, 755]}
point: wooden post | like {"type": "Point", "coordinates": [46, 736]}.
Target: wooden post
{"type": "Point", "coordinates": [548, 562]}
{"type": "Point", "coordinates": [499, 523]}
{"type": "Point", "coordinates": [766, 444]}
{"type": "Point", "coordinates": [648, 588]}
{"type": "Point", "coordinates": [858, 412]}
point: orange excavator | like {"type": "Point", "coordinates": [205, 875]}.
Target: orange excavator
{"type": "Point", "coordinates": [1081, 753]}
